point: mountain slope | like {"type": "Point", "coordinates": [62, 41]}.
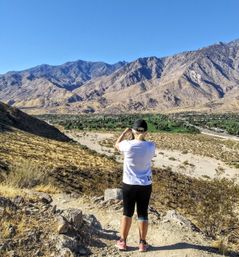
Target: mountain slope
{"type": "Point", "coordinates": [189, 79]}
{"type": "Point", "coordinates": [206, 79]}
{"type": "Point", "coordinates": [48, 86]}
{"type": "Point", "coordinates": [11, 117]}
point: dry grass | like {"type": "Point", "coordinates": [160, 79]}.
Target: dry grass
{"type": "Point", "coordinates": [220, 149]}
{"type": "Point", "coordinates": [204, 145]}
{"type": "Point", "coordinates": [10, 191]}
{"type": "Point", "coordinates": [48, 188]}
{"type": "Point", "coordinates": [211, 204]}
{"type": "Point", "coordinates": [27, 174]}
{"type": "Point", "coordinates": [49, 166]}
{"type": "Point", "coordinates": [32, 232]}
{"type": "Point", "coordinates": [19, 146]}
{"type": "Point", "coordinates": [221, 245]}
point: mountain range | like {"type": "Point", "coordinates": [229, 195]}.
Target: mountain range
{"type": "Point", "coordinates": [203, 80]}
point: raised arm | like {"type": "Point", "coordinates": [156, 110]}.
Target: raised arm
{"type": "Point", "coordinates": [121, 137]}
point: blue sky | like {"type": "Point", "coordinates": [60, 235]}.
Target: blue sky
{"type": "Point", "coordinates": [34, 32]}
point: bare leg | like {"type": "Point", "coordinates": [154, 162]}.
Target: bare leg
{"type": "Point", "coordinates": [125, 227]}
{"type": "Point", "coordinates": [143, 229]}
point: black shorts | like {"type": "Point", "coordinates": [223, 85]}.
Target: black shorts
{"type": "Point", "coordinates": [139, 195]}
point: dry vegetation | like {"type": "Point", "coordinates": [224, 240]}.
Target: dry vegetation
{"type": "Point", "coordinates": [28, 161]}
{"type": "Point", "coordinates": [17, 147]}
{"type": "Point", "coordinates": [220, 149]}
{"type": "Point", "coordinates": [212, 205]}
{"type": "Point", "coordinates": [224, 150]}
{"type": "Point", "coordinates": [27, 229]}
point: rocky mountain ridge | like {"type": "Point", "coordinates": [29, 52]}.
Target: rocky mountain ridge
{"type": "Point", "coordinates": [205, 79]}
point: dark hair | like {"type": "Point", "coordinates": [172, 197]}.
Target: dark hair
{"type": "Point", "coordinates": [140, 125]}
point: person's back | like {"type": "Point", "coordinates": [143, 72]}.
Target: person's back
{"type": "Point", "coordinates": [137, 161]}
{"type": "Point", "coordinates": [137, 181]}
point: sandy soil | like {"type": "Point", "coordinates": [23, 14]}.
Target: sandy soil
{"type": "Point", "coordinates": [166, 239]}
{"type": "Point", "coordinates": [188, 164]}
{"type": "Point", "coordinates": [215, 134]}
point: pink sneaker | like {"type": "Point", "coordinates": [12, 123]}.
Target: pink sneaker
{"type": "Point", "coordinates": [143, 246]}
{"type": "Point", "coordinates": [121, 245]}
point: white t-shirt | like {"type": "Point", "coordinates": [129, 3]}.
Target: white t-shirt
{"type": "Point", "coordinates": [137, 161]}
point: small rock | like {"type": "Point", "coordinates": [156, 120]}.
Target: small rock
{"type": "Point", "coordinates": [2, 247]}
{"type": "Point", "coordinates": [98, 199]}
{"type": "Point", "coordinates": [73, 216]}
{"type": "Point", "coordinates": [63, 226]}
{"type": "Point", "coordinates": [174, 216]}
{"type": "Point", "coordinates": [6, 203]}
{"type": "Point", "coordinates": [11, 230]}
{"type": "Point", "coordinates": [27, 211]}
{"type": "Point", "coordinates": [115, 193]}
{"type": "Point", "coordinates": [18, 200]}
{"type": "Point", "coordinates": [66, 252]}
{"type": "Point", "coordinates": [75, 195]}
{"type": "Point", "coordinates": [45, 198]}
{"type": "Point", "coordinates": [54, 209]}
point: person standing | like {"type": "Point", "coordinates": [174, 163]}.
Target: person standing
{"type": "Point", "coordinates": [137, 181]}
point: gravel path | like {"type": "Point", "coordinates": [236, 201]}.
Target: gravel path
{"type": "Point", "coordinates": [166, 239]}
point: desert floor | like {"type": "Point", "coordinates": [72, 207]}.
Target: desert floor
{"type": "Point", "coordinates": [184, 163]}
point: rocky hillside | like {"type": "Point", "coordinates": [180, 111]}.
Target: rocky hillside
{"type": "Point", "coordinates": [48, 86]}
{"type": "Point", "coordinates": [11, 117]}
{"type": "Point", "coordinates": [206, 79]}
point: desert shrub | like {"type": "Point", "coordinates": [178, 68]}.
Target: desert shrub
{"type": "Point", "coordinates": [211, 204]}
{"type": "Point", "coordinates": [216, 209]}
{"type": "Point", "coordinates": [27, 174]}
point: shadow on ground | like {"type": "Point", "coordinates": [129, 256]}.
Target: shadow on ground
{"type": "Point", "coordinates": [184, 245]}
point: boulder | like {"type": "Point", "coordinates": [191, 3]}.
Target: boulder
{"type": "Point", "coordinates": [68, 242]}
{"type": "Point", "coordinates": [73, 216]}
{"type": "Point", "coordinates": [176, 218]}
{"type": "Point", "coordinates": [92, 222]}
{"type": "Point", "coordinates": [115, 194]}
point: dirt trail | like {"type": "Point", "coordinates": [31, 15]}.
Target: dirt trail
{"type": "Point", "coordinates": [215, 134]}
{"type": "Point", "coordinates": [167, 239]}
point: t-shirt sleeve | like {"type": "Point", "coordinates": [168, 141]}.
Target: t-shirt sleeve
{"type": "Point", "coordinates": [123, 145]}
